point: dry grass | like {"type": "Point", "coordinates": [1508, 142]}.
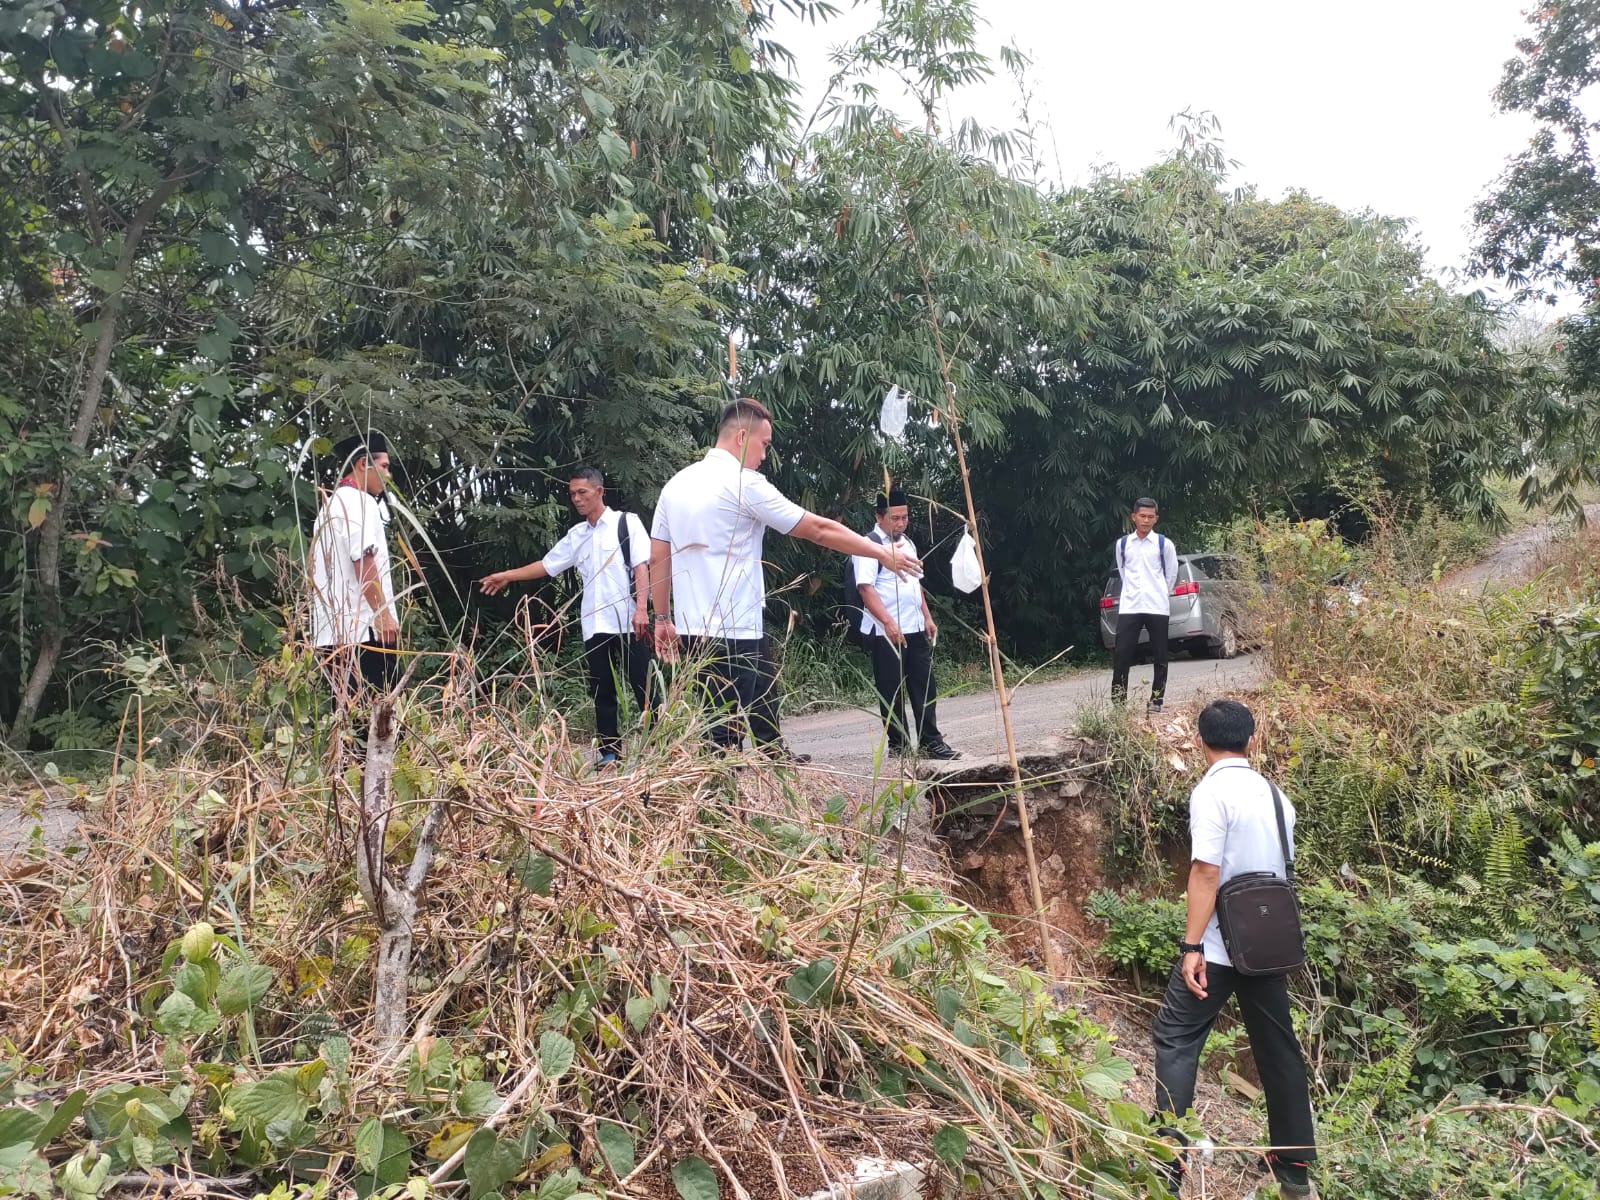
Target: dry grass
{"type": "Point", "coordinates": [706, 884]}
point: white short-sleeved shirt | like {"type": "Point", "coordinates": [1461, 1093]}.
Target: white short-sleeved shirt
{"type": "Point", "coordinates": [901, 597]}
{"type": "Point", "coordinates": [1232, 827]}
{"type": "Point", "coordinates": [1149, 567]}
{"type": "Point", "coordinates": [713, 514]}
{"type": "Point", "coordinates": [349, 527]}
{"type": "Point", "coordinates": [596, 550]}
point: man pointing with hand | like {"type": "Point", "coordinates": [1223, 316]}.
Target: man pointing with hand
{"type": "Point", "coordinates": [705, 560]}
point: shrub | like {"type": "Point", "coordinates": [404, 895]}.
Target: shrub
{"type": "Point", "coordinates": [1142, 932]}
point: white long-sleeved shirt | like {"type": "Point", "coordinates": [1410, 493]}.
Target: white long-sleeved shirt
{"type": "Point", "coordinates": [1149, 567]}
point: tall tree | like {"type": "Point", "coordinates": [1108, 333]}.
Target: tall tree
{"type": "Point", "coordinates": [1539, 229]}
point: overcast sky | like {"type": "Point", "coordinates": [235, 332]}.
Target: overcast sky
{"type": "Point", "coordinates": [1381, 104]}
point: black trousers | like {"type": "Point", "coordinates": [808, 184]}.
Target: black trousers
{"type": "Point", "coordinates": [728, 671]}
{"type": "Point", "coordinates": [1127, 649]}
{"type": "Point", "coordinates": [353, 670]}
{"type": "Point", "coordinates": [764, 712]}
{"type": "Point", "coordinates": [610, 658]}
{"type": "Point", "coordinates": [904, 673]}
{"type": "Point", "coordinates": [1181, 1028]}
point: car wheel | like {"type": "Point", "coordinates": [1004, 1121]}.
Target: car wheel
{"type": "Point", "coordinates": [1227, 646]}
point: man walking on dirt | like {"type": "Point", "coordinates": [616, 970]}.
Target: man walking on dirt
{"type": "Point", "coordinates": [900, 633]}
{"type": "Point", "coordinates": [1148, 564]}
{"type": "Point", "coordinates": [705, 564]}
{"type": "Point", "coordinates": [354, 624]}
{"type": "Point", "coordinates": [612, 554]}
{"type": "Point", "coordinates": [1233, 829]}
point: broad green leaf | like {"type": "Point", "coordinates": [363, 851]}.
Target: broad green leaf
{"type": "Point", "coordinates": [477, 1098]}
{"type": "Point", "coordinates": [19, 1126]}
{"type": "Point", "coordinates": [949, 1004]}
{"type": "Point", "coordinates": [534, 872]}
{"type": "Point", "coordinates": [555, 1054]}
{"type": "Point", "coordinates": [639, 1009]}
{"type": "Point", "coordinates": [275, 1098]}
{"type": "Point", "coordinates": [490, 1163]}
{"type": "Point", "coordinates": [217, 248]}
{"type": "Point", "coordinates": [613, 148]}
{"type": "Point", "coordinates": [242, 986]}
{"type": "Point", "coordinates": [695, 1180]}
{"type": "Point", "coordinates": [24, 1172]}
{"type": "Point", "coordinates": [811, 983]}
{"type": "Point", "coordinates": [560, 1187]}
{"type": "Point", "coordinates": [61, 1119]}
{"type": "Point", "coordinates": [1102, 1083]}
{"type": "Point", "coordinates": [394, 1164]}
{"type": "Point", "coordinates": [950, 1144]}
{"type": "Point", "coordinates": [369, 1145]}
{"type": "Point", "coordinates": [617, 1144]}
{"type": "Point", "coordinates": [179, 1016]}
{"type": "Point", "coordinates": [112, 1109]}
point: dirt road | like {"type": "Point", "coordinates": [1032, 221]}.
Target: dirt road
{"type": "Point", "coordinates": [844, 739]}
{"type": "Point", "coordinates": [1515, 557]}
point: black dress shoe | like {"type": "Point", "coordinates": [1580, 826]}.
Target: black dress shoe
{"type": "Point", "coordinates": [940, 749]}
{"type": "Point", "coordinates": [779, 752]}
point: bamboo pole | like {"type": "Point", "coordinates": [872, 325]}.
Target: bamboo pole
{"type": "Point", "coordinates": [1052, 958]}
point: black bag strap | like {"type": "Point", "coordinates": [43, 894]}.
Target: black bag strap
{"type": "Point", "coordinates": [873, 537]}
{"type": "Point", "coordinates": [1283, 833]}
{"type": "Point", "coordinates": [623, 539]}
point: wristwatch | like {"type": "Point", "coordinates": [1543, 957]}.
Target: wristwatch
{"type": "Point", "coordinates": [1191, 948]}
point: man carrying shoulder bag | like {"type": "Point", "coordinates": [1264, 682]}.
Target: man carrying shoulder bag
{"type": "Point", "coordinates": [1242, 939]}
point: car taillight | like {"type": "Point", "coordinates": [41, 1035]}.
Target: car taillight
{"type": "Point", "coordinates": [1108, 601]}
{"type": "Point", "coordinates": [1187, 589]}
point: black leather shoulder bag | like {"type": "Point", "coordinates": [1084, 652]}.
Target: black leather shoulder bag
{"type": "Point", "coordinates": [1259, 914]}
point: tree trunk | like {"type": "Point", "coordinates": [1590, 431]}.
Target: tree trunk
{"type": "Point", "coordinates": [393, 906]}
{"type": "Point", "coordinates": [52, 635]}
{"type": "Point", "coordinates": [391, 989]}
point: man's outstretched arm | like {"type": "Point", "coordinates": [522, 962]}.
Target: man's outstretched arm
{"type": "Point", "coordinates": [833, 536]}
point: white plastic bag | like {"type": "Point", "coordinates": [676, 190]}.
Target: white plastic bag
{"type": "Point", "coordinates": [892, 416]}
{"type": "Point", "coordinates": [964, 571]}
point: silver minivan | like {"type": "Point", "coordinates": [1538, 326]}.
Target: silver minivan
{"type": "Point", "coordinates": [1207, 605]}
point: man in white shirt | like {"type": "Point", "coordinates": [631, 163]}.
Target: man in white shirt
{"type": "Point", "coordinates": [900, 633]}
{"type": "Point", "coordinates": [353, 619]}
{"type": "Point", "coordinates": [1148, 564]}
{"type": "Point", "coordinates": [612, 554]}
{"type": "Point", "coordinates": [1234, 830]}
{"type": "Point", "coordinates": [705, 563]}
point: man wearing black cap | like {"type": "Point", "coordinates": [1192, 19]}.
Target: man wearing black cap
{"type": "Point", "coordinates": [900, 634]}
{"type": "Point", "coordinates": [353, 619]}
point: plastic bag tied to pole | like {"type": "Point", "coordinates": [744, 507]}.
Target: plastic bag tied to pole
{"type": "Point", "coordinates": [964, 572]}
{"type": "Point", "coordinates": [892, 416]}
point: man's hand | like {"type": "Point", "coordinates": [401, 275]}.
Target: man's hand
{"type": "Point", "coordinates": [385, 629]}
{"type": "Point", "coordinates": [931, 629]}
{"type": "Point", "coordinates": [891, 630]}
{"type": "Point", "coordinates": [666, 640]}
{"type": "Point", "coordinates": [1194, 974]}
{"type": "Point", "coordinates": [906, 566]}
{"type": "Point", "coordinates": [493, 585]}
{"type": "Point", "coordinates": [641, 622]}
